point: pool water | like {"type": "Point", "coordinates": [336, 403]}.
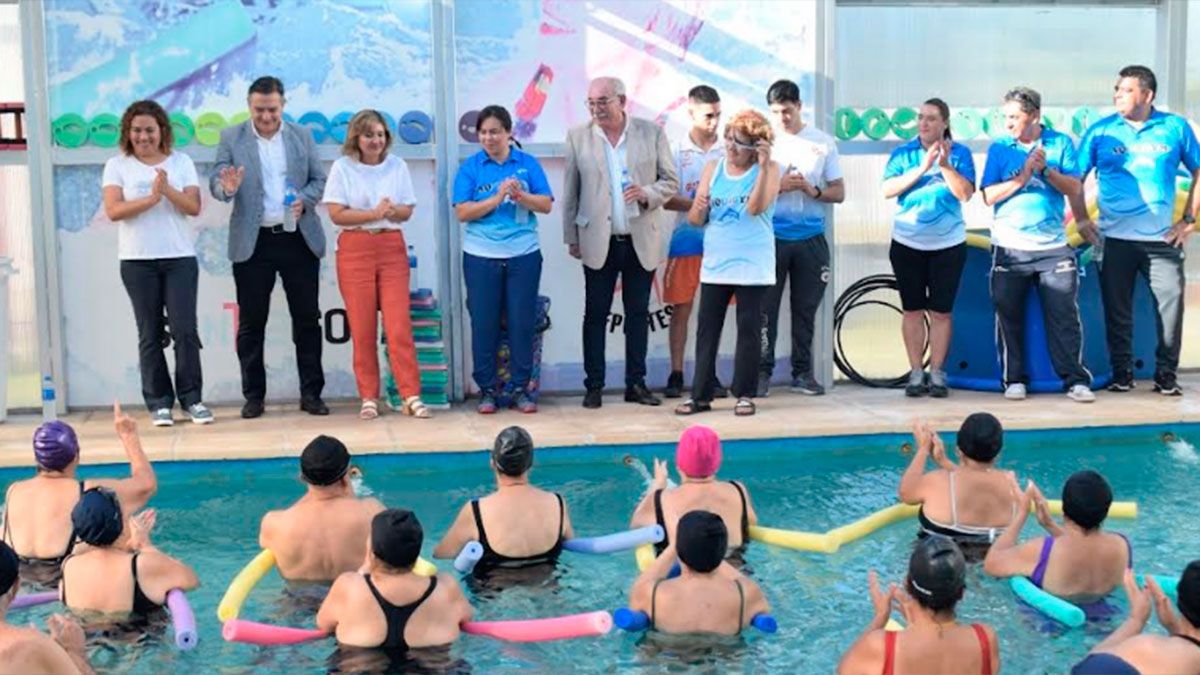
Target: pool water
{"type": "Point", "coordinates": [209, 514]}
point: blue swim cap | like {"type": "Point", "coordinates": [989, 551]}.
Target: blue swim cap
{"type": "Point", "coordinates": [55, 445]}
{"type": "Point", "coordinates": [97, 517]}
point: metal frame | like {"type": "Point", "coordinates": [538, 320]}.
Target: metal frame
{"type": "Point", "coordinates": [823, 107]}
{"type": "Point", "coordinates": [47, 291]}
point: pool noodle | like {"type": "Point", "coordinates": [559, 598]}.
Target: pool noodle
{"type": "Point", "coordinates": [470, 554]}
{"type": "Point", "coordinates": [245, 581]}
{"type": "Point", "coordinates": [1169, 585]}
{"type": "Point", "coordinates": [183, 620]}
{"type": "Point", "coordinates": [619, 541]}
{"type": "Point", "coordinates": [636, 621]}
{"type": "Point", "coordinates": [878, 520]}
{"type": "Point", "coordinates": [33, 599]}
{"type": "Point", "coordinates": [588, 624]}
{"type": "Point", "coordinates": [189, 45]}
{"type": "Point", "coordinates": [644, 555]}
{"type": "Point", "coordinates": [251, 632]}
{"type": "Point", "coordinates": [1052, 606]}
{"type": "Point", "coordinates": [893, 625]}
{"type": "Point", "coordinates": [801, 541]}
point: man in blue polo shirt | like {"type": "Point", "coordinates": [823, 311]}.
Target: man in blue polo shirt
{"type": "Point", "coordinates": [1024, 180]}
{"type": "Point", "coordinates": [1136, 153]}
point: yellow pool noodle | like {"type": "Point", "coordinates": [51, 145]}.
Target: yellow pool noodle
{"type": "Point", "coordinates": [801, 541]}
{"type": "Point", "coordinates": [878, 520]}
{"type": "Point", "coordinates": [1116, 510]}
{"type": "Point", "coordinates": [893, 626]}
{"type": "Point", "coordinates": [644, 555]}
{"type": "Point", "coordinates": [243, 583]}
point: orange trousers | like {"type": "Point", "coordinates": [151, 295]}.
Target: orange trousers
{"type": "Point", "coordinates": [373, 275]}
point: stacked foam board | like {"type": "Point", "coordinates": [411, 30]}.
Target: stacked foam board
{"type": "Point", "coordinates": [431, 353]}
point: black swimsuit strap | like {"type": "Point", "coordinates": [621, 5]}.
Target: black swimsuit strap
{"type": "Point", "coordinates": [562, 516]}
{"type": "Point", "coordinates": [662, 522]}
{"type": "Point", "coordinates": [654, 600]}
{"type": "Point", "coordinates": [741, 605]}
{"type": "Point", "coordinates": [479, 524]}
{"type": "Point", "coordinates": [745, 512]}
{"type": "Point", "coordinates": [1189, 638]}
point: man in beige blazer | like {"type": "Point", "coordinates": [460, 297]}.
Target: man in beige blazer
{"type": "Point", "coordinates": [619, 174]}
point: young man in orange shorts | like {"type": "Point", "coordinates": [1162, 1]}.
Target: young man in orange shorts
{"type": "Point", "coordinates": [701, 144]}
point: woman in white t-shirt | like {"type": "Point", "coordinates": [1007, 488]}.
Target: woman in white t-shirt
{"type": "Point", "coordinates": [149, 191]}
{"type": "Point", "coordinates": [369, 194]}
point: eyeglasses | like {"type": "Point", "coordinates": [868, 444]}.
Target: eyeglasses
{"type": "Point", "coordinates": [743, 146]}
{"type": "Point", "coordinates": [491, 132]}
{"type": "Point", "coordinates": [599, 102]}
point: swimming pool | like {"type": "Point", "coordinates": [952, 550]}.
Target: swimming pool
{"type": "Point", "coordinates": [209, 514]}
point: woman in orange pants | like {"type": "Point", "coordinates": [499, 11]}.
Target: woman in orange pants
{"type": "Point", "coordinates": [369, 195]}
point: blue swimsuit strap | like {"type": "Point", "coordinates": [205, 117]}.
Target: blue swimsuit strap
{"type": "Point", "coordinates": [1039, 572]}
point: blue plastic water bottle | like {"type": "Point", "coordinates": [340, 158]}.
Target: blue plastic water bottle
{"type": "Point", "coordinates": [631, 208]}
{"type": "Point", "coordinates": [48, 394]}
{"type": "Point", "coordinates": [290, 195]}
{"type": "Point", "coordinates": [413, 286]}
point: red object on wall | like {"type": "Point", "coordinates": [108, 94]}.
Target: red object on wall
{"type": "Point", "coordinates": [12, 121]}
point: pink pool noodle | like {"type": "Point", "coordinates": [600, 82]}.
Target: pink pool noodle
{"type": "Point", "coordinates": [32, 599]}
{"type": "Point", "coordinates": [539, 630]}
{"type": "Point", "coordinates": [182, 619]}
{"type": "Point", "coordinates": [262, 634]}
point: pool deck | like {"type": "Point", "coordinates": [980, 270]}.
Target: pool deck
{"type": "Point", "coordinates": [848, 409]}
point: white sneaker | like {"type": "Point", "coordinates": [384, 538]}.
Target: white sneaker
{"type": "Point", "coordinates": [200, 414]}
{"type": "Point", "coordinates": [1081, 394]}
{"type": "Point", "coordinates": [162, 418]}
{"type": "Point", "coordinates": [1015, 392]}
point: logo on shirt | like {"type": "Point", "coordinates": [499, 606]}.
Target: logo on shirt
{"type": "Point", "coordinates": [718, 202]}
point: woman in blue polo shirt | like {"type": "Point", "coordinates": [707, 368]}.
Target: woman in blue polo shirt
{"type": "Point", "coordinates": [931, 176]}
{"type": "Point", "coordinates": [496, 193]}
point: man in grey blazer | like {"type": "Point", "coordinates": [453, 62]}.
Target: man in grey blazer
{"type": "Point", "coordinates": [270, 170]}
{"type": "Point", "coordinates": [619, 173]}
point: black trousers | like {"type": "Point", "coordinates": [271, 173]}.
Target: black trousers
{"type": "Point", "coordinates": [286, 255]}
{"type": "Point", "coordinates": [153, 286]}
{"type": "Point", "coordinates": [807, 263]}
{"type": "Point", "coordinates": [714, 301]}
{"type": "Point", "coordinates": [1056, 275]}
{"type": "Point", "coordinates": [1162, 266]}
{"type": "Point", "coordinates": [599, 286]}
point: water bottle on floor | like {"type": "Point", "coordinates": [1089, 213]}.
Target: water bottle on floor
{"type": "Point", "coordinates": [290, 195]}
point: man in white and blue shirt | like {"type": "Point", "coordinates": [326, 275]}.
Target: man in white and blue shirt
{"type": "Point", "coordinates": [1136, 153]}
{"type": "Point", "coordinates": [1024, 180]}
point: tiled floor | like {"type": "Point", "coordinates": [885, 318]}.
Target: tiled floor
{"type": "Point", "coordinates": [848, 409]}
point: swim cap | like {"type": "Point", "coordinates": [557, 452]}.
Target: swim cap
{"type": "Point", "coordinates": [698, 454]}
{"type": "Point", "coordinates": [97, 517]}
{"type": "Point", "coordinates": [1086, 498]}
{"type": "Point", "coordinates": [396, 537]}
{"type": "Point", "coordinates": [10, 568]}
{"type": "Point", "coordinates": [1189, 593]}
{"type": "Point", "coordinates": [980, 437]}
{"type": "Point", "coordinates": [701, 540]}
{"type": "Point", "coordinates": [55, 445]}
{"type": "Point", "coordinates": [324, 461]}
{"type": "Point", "coordinates": [937, 572]}
{"type": "Point", "coordinates": [513, 451]}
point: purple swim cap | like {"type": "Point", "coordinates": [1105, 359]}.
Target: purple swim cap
{"type": "Point", "coordinates": [55, 445]}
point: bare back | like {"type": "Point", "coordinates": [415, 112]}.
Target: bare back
{"type": "Point", "coordinates": [101, 580]}
{"type": "Point", "coordinates": [25, 650]}
{"type": "Point", "coordinates": [950, 650]}
{"type": "Point", "coordinates": [318, 539]}
{"type": "Point", "coordinates": [981, 498]}
{"type": "Point", "coordinates": [435, 621]}
{"type": "Point", "coordinates": [37, 516]}
{"type": "Point", "coordinates": [522, 521]}
{"type": "Point", "coordinates": [703, 604]}
{"type": "Point", "coordinates": [1086, 567]}
{"type": "Point", "coordinates": [719, 497]}
{"type": "Point", "coordinates": [1159, 654]}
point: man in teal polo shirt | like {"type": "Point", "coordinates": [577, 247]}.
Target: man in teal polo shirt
{"type": "Point", "coordinates": [1136, 153]}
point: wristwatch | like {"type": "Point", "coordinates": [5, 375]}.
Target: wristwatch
{"type": "Point", "coordinates": [819, 192]}
{"type": "Point", "coordinates": [1189, 219]}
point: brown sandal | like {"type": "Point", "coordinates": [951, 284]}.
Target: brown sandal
{"type": "Point", "coordinates": [744, 408]}
{"type": "Point", "coordinates": [692, 406]}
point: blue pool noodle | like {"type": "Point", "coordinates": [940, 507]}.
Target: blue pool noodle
{"type": "Point", "coordinates": [620, 541]}
{"type": "Point", "coordinates": [1169, 585]}
{"type": "Point", "coordinates": [466, 559]}
{"type": "Point", "coordinates": [634, 621]}
{"type": "Point", "coordinates": [175, 52]}
{"type": "Point", "coordinates": [1052, 606]}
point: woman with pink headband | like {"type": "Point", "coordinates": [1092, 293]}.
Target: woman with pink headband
{"type": "Point", "coordinates": [697, 459]}
{"type": "Point", "coordinates": [37, 511]}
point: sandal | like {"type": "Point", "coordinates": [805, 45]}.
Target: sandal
{"type": "Point", "coordinates": [744, 408]}
{"type": "Point", "coordinates": [415, 407]}
{"type": "Point", "coordinates": [692, 406]}
{"type": "Point", "coordinates": [369, 409]}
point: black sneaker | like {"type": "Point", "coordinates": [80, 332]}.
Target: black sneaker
{"type": "Point", "coordinates": [1167, 386]}
{"type": "Point", "coordinates": [674, 388]}
{"type": "Point", "coordinates": [915, 389]}
{"type": "Point", "coordinates": [764, 386]}
{"type": "Point", "coordinates": [1123, 382]}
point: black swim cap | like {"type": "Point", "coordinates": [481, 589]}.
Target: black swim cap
{"type": "Point", "coordinates": [97, 517]}
{"type": "Point", "coordinates": [701, 540]}
{"type": "Point", "coordinates": [396, 537]}
{"type": "Point", "coordinates": [1189, 593]}
{"type": "Point", "coordinates": [513, 451]}
{"type": "Point", "coordinates": [937, 572]}
{"type": "Point", "coordinates": [1086, 497]}
{"type": "Point", "coordinates": [10, 568]}
{"type": "Point", "coordinates": [980, 437]}
{"type": "Point", "coordinates": [324, 461]}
